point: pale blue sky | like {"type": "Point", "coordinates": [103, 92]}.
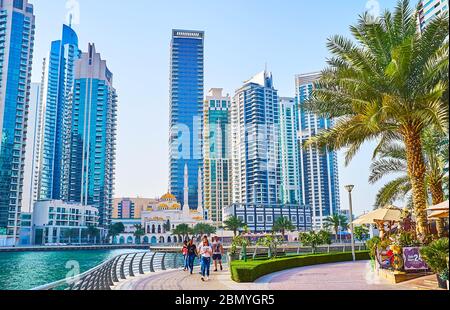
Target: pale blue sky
{"type": "Point", "coordinates": [241, 36]}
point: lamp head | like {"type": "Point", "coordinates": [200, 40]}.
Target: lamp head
{"type": "Point", "coordinates": [349, 188]}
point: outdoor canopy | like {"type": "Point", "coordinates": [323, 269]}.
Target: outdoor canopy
{"type": "Point", "coordinates": [387, 214]}
{"type": "Point", "coordinates": [438, 211]}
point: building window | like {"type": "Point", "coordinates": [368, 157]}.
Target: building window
{"type": "Point", "coordinates": [269, 219]}
{"type": "Point", "coordinates": [250, 219]}
{"type": "Point", "coordinates": [308, 219]}
{"type": "Point", "coordinates": [294, 219]}
{"type": "Point", "coordinates": [260, 218]}
{"type": "Point", "coordinates": [240, 217]}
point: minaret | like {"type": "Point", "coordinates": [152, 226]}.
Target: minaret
{"type": "Point", "coordinates": [186, 211]}
{"type": "Point", "coordinates": [200, 194]}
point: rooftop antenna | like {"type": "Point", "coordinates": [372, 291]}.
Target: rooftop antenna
{"type": "Point", "coordinates": [70, 20]}
{"type": "Point", "coordinates": [265, 67]}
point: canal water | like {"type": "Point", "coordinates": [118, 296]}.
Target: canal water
{"type": "Point", "coordinates": [26, 270]}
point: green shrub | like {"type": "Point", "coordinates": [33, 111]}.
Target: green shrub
{"type": "Point", "coordinates": [372, 246]}
{"type": "Point", "coordinates": [436, 257]}
{"type": "Point", "coordinates": [253, 269]}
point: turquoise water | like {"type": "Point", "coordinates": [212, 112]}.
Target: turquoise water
{"type": "Point", "coordinates": [26, 270]}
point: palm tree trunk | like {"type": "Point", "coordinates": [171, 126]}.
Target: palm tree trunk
{"type": "Point", "coordinates": [437, 194]}
{"type": "Point", "coordinates": [416, 172]}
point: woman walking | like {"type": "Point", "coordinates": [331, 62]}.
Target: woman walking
{"type": "Point", "coordinates": [185, 255]}
{"type": "Point", "coordinates": [191, 254]}
{"type": "Point", "coordinates": [205, 253]}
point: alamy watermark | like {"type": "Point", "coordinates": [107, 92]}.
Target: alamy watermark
{"type": "Point", "coordinates": [373, 8]}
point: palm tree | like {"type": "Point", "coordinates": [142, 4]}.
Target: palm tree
{"type": "Point", "coordinates": [335, 222]}
{"type": "Point", "coordinates": [182, 230]}
{"type": "Point", "coordinates": [202, 229]}
{"type": "Point", "coordinates": [234, 224]}
{"type": "Point", "coordinates": [138, 232]}
{"type": "Point", "coordinates": [281, 225]}
{"type": "Point", "coordinates": [390, 84]}
{"type": "Point", "coordinates": [391, 159]}
{"type": "Point", "coordinates": [92, 231]}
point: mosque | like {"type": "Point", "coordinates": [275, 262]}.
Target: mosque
{"type": "Point", "coordinates": [158, 216]}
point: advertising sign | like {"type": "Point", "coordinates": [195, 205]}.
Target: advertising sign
{"type": "Point", "coordinates": [412, 259]}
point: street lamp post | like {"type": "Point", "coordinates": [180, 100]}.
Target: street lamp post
{"type": "Point", "coordinates": [350, 188]}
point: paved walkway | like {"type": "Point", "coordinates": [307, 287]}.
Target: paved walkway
{"type": "Point", "coordinates": [338, 276]}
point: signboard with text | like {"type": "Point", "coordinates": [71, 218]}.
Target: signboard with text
{"type": "Point", "coordinates": [412, 259]}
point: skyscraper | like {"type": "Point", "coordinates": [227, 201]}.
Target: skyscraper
{"type": "Point", "coordinates": [256, 166]}
{"type": "Point", "coordinates": [57, 84]}
{"type": "Point", "coordinates": [318, 167]}
{"type": "Point", "coordinates": [17, 25]}
{"type": "Point", "coordinates": [30, 185]}
{"type": "Point", "coordinates": [89, 161]}
{"type": "Point", "coordinates": [290, 148]}
{"type": "Point", "coordinates": [428, 9]}
{"type": "Point", "coordinates": [217, 154]}
{"type": "Point", "coordinates": [186, 112]}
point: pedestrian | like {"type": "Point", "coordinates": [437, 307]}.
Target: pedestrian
{"type": "Point", "coordinates": [206, 252]}
{"type": "Point", "coordinates": [192, 253]}
{"type": "Point", "coordinates": [185, 255]}
{"type": "Point", "coordinates": [217, 253]}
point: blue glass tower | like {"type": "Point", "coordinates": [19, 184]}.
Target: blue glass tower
{"type": "Point", "coordinates": [16, 52]}
{"type": "Point", "coordinates": [186, 113]}
{"type": "Point", "coordinates": [255, 142]}
{"type": "Point", "coordinates": [57, 84]}
{"type": "Point", "coordinates": [318, 167]}
{"type": "Point", "coordinates": [89, 160]}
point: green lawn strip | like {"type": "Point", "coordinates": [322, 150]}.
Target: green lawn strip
{"type": "Point", "coordinates": [244, 272]}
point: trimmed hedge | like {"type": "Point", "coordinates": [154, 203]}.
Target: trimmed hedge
{"type": "Point", "coordinates": [251, 270]}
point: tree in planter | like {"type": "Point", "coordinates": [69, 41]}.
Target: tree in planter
{"type": "Point", "coordinates": [116, 229]}
{"type": "Point", "coordinates": [272, 242]}
{"type": "Point", "coordinates": [234, 224]}
{"type": "Point", "coordinates": [360, 233]}
{"type": "Point", "coordinates": [138, 232]}
{"type": "Point", "coordinates": [283, 224]}
{"type": "Point", "coordinates": [183, 230]}
{"type": "Point", "coordinates": [167, 227]}
{"type": "Point", "coordinates": [372, 245]}
{"type": "Point", "coordinates": [239, 241]}
{"type": "Point", "coordinates": [314, 239]}
{"type": "Point", "coordinates": [436, 256]}
{"type": "Point", "coordinates": [335, 222]}
{"type": "Point", "coordinates": [202, 229]}
{"type": "Point", "coordinates": [92, 231]}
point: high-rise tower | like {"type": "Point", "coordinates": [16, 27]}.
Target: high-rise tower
{"type": "Point", "coordinates": [186, 112]}
{"type": "Point", "coordinates": [57, 85]}
{"type": "Point", "coordinates": [17, 24]}
{"type": "Point", "coordinates": [256, 166]}
{"type": "Point", "coordinates": [318, 167]}
{"type": "Point", "coordinates": [89, 161]}
{"type": "Point", "coordinates": [428, 9]}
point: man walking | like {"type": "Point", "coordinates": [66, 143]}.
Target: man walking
{"type": "Point", "coordinates": [217, 253]}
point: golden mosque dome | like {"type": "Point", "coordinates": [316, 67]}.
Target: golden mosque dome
{"type": "Point", "coordinates": [168, 196]}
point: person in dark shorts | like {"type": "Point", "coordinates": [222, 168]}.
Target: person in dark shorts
{"type": "Point", "coordinates": [217, 253]}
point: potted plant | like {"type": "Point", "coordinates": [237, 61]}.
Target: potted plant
{"type": "Point", "coordinates": [436, 257]}
{"type": "Point", "coordinates": [237, 241]}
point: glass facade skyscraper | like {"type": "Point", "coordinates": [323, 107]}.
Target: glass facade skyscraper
{"type": "Point", "coordinates": [186, 113]}
{"type": "Point", "coordinates": [17, 27]}
{"type": "Point", "coordinates": [89, 161]}
{"type": "Point", "coordinates": [289, 150]}
{"type": "Point", "coordinates": [428, 9]}
{"type": "Point", "coordinates": [57, 84]}
{"type": "Point", "coordinates": [318, 167]}
{"type": "Point", "coordinates": [256, 166]}
{"type": "Point", "coordinates": [217, 154]}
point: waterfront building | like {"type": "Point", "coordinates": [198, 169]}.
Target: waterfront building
{"type": "Point", "coordinates": [57, 85]}
{"type": "Point", "coordinates": [158, 220]}
{"type": "Point", "coordinates": [89, 160]}
{"type": "Point", "coordinates": [318, 167]}
{"type": "Point", "coordinates": [55, 221]}
{"type": "Point", "coordinates": [256, 166]}
{"type": "Point", "coordinates": [186, 112]}
{"type": "Point", "coordinates": [428, 9]}
{"type": "Point", "coordinates": [217, 154]}
{"type": "Point", "coordinates": [130, 208]}
{"type": "Point", "coordinates": [290, 149]}
{"type": "Point", "coordinates": [26, 229]}
{"type": "Point", "coordinates": [30, 183]}
{"type": "Point", "coordinates": [17, 29]}
{"type": "Point", "coordinates": [260, 218]}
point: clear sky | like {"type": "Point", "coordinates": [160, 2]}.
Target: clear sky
{"type": "Point", "coordinates": [241, 37]}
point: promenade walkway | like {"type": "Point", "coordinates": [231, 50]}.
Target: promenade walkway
{"type": "Point", "coordinates": [338, 276]}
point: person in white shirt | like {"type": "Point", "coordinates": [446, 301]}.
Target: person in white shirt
{"type": "Point", "coordinates": [206, 252]}
{"type": "Point", "coordinates": [217, 253]}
